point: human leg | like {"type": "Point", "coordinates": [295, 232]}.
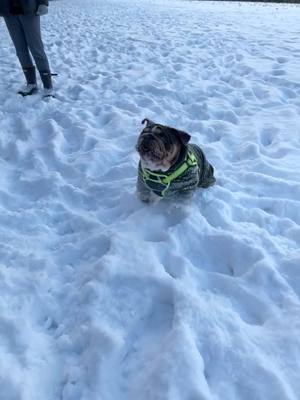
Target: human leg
{"type": "Point", "coordinates": [18, 37]}
{"type": "Point", "coordinates": [32, 30]}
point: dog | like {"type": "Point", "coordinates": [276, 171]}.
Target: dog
{"type": "Point", "coordinates": [169, 166]}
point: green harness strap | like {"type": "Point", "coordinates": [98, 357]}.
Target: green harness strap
{"type": "Point", "coordinates": [166, 180]}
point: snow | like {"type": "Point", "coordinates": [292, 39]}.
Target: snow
{"type": "Point", "coordinates": [103, 297]}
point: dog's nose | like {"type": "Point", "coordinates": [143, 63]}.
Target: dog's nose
{"type": "Point", "coordinates": [148, 139]}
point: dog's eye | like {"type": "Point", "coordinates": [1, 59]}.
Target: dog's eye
{"type": "Point", "coordinates": [166, 142]}
{"type": "Point", "coordinates": [163, 138]}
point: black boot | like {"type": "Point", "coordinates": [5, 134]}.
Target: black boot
{"type": "Point", "coordinates": [31, 86]}
{"type": "Point", "coordinates": [46, 78]}
{"type": "Point", "coordinates": [30, 75]}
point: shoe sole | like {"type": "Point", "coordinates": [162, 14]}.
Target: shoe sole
{"type": "Point", "coordinates": [30, 93]}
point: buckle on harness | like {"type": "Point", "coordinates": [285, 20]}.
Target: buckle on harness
{"type": "Point", "coordinates": [191, 159]}
{"type": "Point", "coordinates": [154, 177]}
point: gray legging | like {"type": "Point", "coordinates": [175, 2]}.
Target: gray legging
{"type": "Point", "coordinates": [25, 31]}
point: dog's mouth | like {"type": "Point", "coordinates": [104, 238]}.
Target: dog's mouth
{"type": "Point", "coordinates": [153, 162]}
{"type": "Point", "coordinates": [154, 158]}
{"type": "Point", "coordinates": [155, 166]}
{"type": "Point", "coordinates": [151, 148]}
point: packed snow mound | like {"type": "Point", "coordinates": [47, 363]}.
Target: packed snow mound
{"type": "Point", "coordinates": [103, 297]}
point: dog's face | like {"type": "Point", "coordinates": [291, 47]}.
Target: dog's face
{"type": "Point", "coordinates": [159, 146]}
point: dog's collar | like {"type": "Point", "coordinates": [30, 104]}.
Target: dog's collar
{"type": "Point", "coordinates": [166, 179]}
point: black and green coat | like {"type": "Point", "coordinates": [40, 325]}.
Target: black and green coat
{"type": "Point", "coordinates": [191, 170]}
{"type": "Point", "coordinates": [29, 7]}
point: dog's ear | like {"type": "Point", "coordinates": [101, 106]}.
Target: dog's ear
{"type": "Point", "coordinates": [147, 121]}
{"type": "Point", "coordinates": [181, 135]}
{"type": "Point", "coordinates": [184, 137]}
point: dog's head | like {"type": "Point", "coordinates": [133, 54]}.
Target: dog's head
{"type": "Point", "coordinates": [159, 146]}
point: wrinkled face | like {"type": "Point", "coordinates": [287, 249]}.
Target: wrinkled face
{"type": "Point", "coordinates": [159, 146]}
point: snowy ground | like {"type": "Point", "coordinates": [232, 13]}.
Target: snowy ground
{"type": "Point", "coordinates": [104, 298]}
